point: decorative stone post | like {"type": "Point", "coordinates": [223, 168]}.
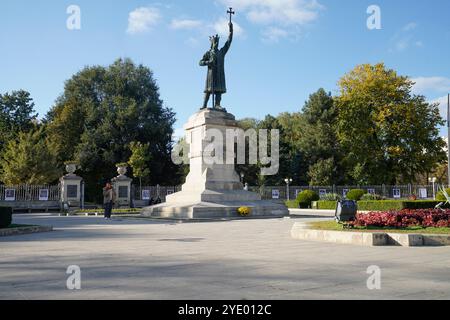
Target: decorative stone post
{"type": "Point", "coordinates": [122, 186]}
{"type": "Point", "coordinates": [71, 187]}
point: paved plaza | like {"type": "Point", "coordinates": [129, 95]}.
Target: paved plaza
{"type": "Point", "coordinates": [241, 259]}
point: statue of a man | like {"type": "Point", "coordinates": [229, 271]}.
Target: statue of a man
{"type": "Point", "coordinates": [214, 59]}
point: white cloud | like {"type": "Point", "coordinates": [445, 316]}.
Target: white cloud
{"type": "Point", "coordinates": [222, 29]}
{"type": "Point", "coordinates": [405, 38]}
{"type": "Point", "coordinates": [143, 19]}
{"type": "Point", "coordinates": [282, 18]}
{"type": "Point", "coordinates": [185, 24]}
{"type": "Point", "coordinates": [274, 34]}
{"type": "Point", "coordinates": [424, 85]}
{"type": "Point", "coordinates": [442, 106]}
{"type": "Point", "coordinates": [410, 26]}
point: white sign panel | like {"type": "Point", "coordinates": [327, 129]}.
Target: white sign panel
{"type": "Point", "coordinates": [397, 193]}
{"type": "Point", "coordinates": [43, 194]}
{"type": "Point", "coordinates": [371, 191]}
{"type": "Point", "coordinates": [322, 192]}
{"type": "Point", "coordinates": [145, 194]}
{"type": "Point", "coordinates": [275, 194]}
{"type": "Point", "coordinates": [423, 194]}
{"type": "Point", "coordinates": [10, 195]}
{"type": "Point", "coordinates": [344, 193]}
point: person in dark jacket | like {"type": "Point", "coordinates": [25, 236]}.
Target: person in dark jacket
{"type": "Point", "coordinates": [109, 197]}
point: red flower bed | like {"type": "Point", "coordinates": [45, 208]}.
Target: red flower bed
{"type": "Point", "coordinates": [405, 218]}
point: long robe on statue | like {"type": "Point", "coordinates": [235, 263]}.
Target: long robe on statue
{"type": "Point", "coordinates": [215, 60]}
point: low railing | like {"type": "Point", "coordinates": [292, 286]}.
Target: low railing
{"type": "Point", "coordinates": [281, 192]}
{"type": "Point", "coordinates": [24, 192]}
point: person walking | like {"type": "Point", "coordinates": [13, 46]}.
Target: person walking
{"type": "Point", "coordinates": [109, 197]}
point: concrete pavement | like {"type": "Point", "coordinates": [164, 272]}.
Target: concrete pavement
{"type": "Point", "coordinates": [245, 259]}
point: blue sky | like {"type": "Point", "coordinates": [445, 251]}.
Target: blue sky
{"type": "Point", "coordinates": [283, 50]}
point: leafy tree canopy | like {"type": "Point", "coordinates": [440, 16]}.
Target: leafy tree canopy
{"type": "Point", "coordinates": [28, 159]}
{"type": "Point", "coordinates": [388, 134]}
{"type": "Point", "coordinates": [103, 110]}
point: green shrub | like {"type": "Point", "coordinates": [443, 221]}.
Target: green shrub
{"type": "Point", "coordinates": [421, 204]}
{"type": "Point", "coordinates": [355, 194]}
{"type": "Point", "coordinates": [370, 196]}
{"type": "Point", "coordinates": [440, 196]}
{"type": "Point", "coordinates": [377, 205]}
{"type": "Point", "coordinates": [386, 205]}
{"type": "Point", "coordinates": [305, 198]}
{"type": "Point", "coordinates": [326, 205]}
{"type": "Point", "coordinates": [292, 204]}
{"type": "Point", "coordinates": [5, 217]}
{"type": "Point", "coordinates": [331, 197]}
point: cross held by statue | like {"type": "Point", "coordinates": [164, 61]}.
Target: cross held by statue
{"type": "Point", "coordinates": [230, 12]}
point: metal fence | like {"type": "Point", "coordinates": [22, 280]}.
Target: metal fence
{"type": "Point", "coordinates": [26, 192]}
{"type": "Point", "coordinates": [281, 192]}
{"type": "Point", "coordinates": [42, 193]}
{"type": "Point", "coordinates": [387, 191]}
{"type": "Point", "coordinates": [149, 192]}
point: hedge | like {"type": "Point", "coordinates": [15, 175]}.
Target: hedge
{"type": "Point", "coordinates": [292, 204]}
{"type": "Point", "coordinates": [5, 217]}
{"type": "Point", "coordinates": [325, 205]}
{"type": "Point", "coordinates": [382, 205]}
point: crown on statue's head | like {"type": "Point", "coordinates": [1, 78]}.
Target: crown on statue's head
{"type": "Point", "coordinates": [214, 38]}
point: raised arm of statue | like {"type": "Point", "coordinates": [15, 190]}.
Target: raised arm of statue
{"type": "Point", "coordinates": [227, 45]}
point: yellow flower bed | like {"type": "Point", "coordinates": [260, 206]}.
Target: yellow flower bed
{"type": "Point", "coordinates": [244, 211]}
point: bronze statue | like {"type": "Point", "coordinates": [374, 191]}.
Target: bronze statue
{"type": "Point", "coordinates": [214, 59]}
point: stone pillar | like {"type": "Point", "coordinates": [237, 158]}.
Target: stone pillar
{"type": "Point", "coordinates": [213, 188]}
{"type": "Point", "coordinates": [122, 187]}
{"type": "Point", "coordinates": [210, 182]}
{"type": "Point", "coordinates": [71, 187]}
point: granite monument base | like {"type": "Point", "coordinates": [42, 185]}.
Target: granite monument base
{"type": "Point", "coordinates": [212, 188]}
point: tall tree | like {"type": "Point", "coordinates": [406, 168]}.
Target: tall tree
{"type": "Point", "coordinates": [139, 158]}
{"type": "Point", "coordinates": [16, 114]}
{"type": "Point", "coordinates": [318, 140]}
{"type": "Point", "coordinates": [389, 135]}
{"type": "Point", "coordinates": [104, 109]}
{"type": "Point", "coordinates": [28, 159]}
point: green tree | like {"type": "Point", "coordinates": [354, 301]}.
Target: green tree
{"type": "Point", "coordinates": [104, 109]}
{"type": "Point", "coordinates": [28, 159]}
{"type": "Point", "coordinates": [138, 160]}
{"type": "Point", "coordinates": [16, 114]}
{"type": "Point", "coordinates": [318, 139]}
{"type": "Point", "coordinates": [388, 134]}
{"type": "Point", "coordinates": [322, 173]}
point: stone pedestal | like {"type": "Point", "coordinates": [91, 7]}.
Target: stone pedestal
{"type": "Point", "coordinates": [211, 190]}
{"type": "Point", "coordinates": [122, 187]}
{"type": "Point", "coordinates": [71, 190]}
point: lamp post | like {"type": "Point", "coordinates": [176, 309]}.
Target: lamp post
{"type": "Point", "coordinates": [288, 181]}
{"type": "Point", "coordinates": [433, 181]}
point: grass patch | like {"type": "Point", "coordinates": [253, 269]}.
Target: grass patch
{"type": "Point", "coordinates": [334, 226]}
